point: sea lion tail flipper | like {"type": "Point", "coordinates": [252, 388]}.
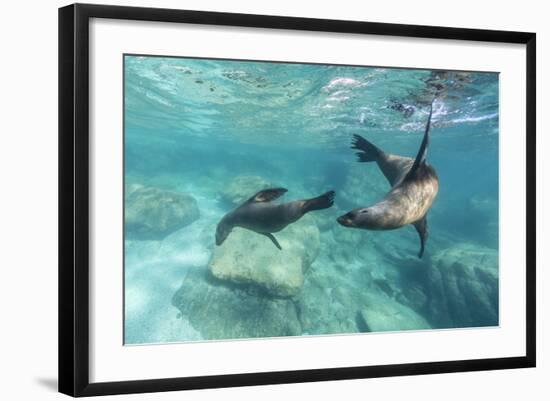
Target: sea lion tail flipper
{"type": "Point", "coordinates": [321, 202]}
{"type": "Point", "coordinates": [273, 239]}
{"type": "Point", "coordinates": [267, 195]}
{"type": "Point", "coordinates": [422, 229]}
{"type": "Point", "coordinates": [367, 151]}
{"type": "Point", "coordinates": [423, 151]}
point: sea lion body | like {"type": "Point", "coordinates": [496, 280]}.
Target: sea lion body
{"type": "Point", "coordinates": [260, 215]}
{"type": "Point", "coordinates": [406, 203]}
{"type": "Point", "coordinates": [265, 217]}
{"type": "Point", "coordinates": [409, 201]}
{"type": "Point", "coordinates": [414, 188]}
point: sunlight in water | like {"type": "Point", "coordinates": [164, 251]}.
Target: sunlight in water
{"type": "Point", "coordinates": [203, 136]}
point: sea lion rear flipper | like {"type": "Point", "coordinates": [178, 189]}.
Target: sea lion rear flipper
{"type": "Point", "coordinates": [267, 195]}
{"type": "Point", "coordinates": [422, 229]}
{"type": "Point", "coordinates": [273, 239]}
{"type": "Point", "coordinates": [323, 201]}
{"type": "Point", "coordinates": [423, 151]}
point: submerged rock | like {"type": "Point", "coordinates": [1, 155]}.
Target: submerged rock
{"type": "Point", "coordinates": [326, 304]}
{"type": "Point", "coordinates": [352, 302]}
{"type": "Point", "coordinates": [384, 314]}
{"type": "Point", "coordinates": [243, 187]}
{"type": "Point", "coordinates": [221, 310]}
{"type": "Point", "coordinates": [463, 286]}
{"type": "Point", "coordinates": [250, 258]}
{"type": "Point", "coordinates": [152, 213]}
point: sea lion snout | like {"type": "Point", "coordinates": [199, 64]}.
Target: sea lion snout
{"type": "Point", "coordinates": [346, 220]}
{"type": "Point", "coordinates": [367, 218]}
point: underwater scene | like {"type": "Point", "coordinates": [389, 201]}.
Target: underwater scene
{"type": "Point", "coordinates": [268, 199]}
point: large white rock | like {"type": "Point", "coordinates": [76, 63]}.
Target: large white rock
{"type": "Point", "coordinates": [222, 310]}
{"type": "Point", "coordinates": [250, 258]}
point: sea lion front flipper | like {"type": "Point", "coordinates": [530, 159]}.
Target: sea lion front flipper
{"type": "Point", "coordinates": [272, 238]}
{"type": "Point", "coordinates": [368, 152]}
{"type": "Point", "coordinates": [267, 195]}
{"type": "Point", "coordinates": [392, 166]}
{"type": "Point", "coordinates": [423, 151]}
{"type": "Point", "coordinates": [422, 229]}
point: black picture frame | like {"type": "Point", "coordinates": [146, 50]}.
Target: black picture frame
{"type": "Point", "coordinates": [74, 198]}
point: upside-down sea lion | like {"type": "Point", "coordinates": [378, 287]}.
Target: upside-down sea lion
{"type": "Point", "coordinates": [414, 188]}
{"type": "Point", "coordinates": [260, 215]}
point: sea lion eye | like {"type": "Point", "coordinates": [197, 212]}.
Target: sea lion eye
{"type": "Point", "coordinates": [364, 211]}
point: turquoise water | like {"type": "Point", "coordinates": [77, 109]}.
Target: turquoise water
{"type": "Point", "coordinates": [201, 136]}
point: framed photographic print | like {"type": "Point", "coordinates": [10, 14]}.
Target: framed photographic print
{"type": "Point", "coordinates": [249, 199]}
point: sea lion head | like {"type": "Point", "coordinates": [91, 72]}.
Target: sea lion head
{"type": "Point", "coordinates": [222, 231]}
{"type": "Point", "coordinates": [364, 217]}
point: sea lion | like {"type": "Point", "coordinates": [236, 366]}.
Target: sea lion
{"type": "Point", "coordinates": [260, 215]}
{"type": "Point", "coordinates": [414, 188]}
